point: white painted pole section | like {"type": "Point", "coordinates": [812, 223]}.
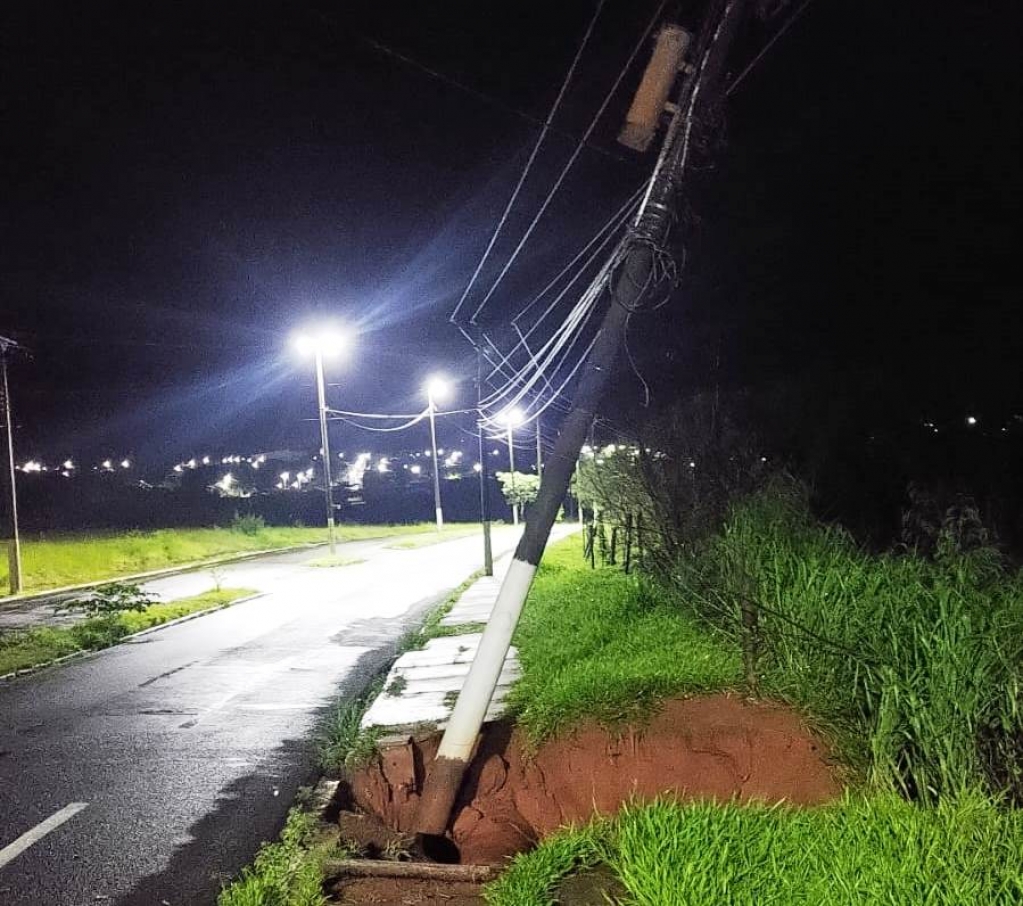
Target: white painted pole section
{"type": "Point", "coordinates": [478, 688]}
{"type": "Point", "coordinates": [11, 852]}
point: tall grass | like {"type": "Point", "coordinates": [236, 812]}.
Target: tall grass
{"type": "Point", "coordinates": [864, 850]}
{"type": "Point", "coordinates": [916, 664]}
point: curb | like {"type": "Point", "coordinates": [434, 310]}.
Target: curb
{"type": "Point", "coordinates": [79, 655]}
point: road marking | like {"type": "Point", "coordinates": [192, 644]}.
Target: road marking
{"type": "Point", "coordinates": [11, 852]}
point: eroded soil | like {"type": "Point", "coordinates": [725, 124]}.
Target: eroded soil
{"type": "Point", "coordinates": [714, 747]}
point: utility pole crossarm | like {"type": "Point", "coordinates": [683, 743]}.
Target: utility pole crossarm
{"type": "Point", "coordinates": [633, 263]}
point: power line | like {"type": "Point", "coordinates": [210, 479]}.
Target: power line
{"type": "Point", "coordinates": [529, 163]}
{"type": "Point", "coordinates": [737, 81]}
{"type": "Point", "coordinates": [568, 166]}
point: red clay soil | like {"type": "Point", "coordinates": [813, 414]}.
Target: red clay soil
{"type": "Point", "coordinates": [715, 747]}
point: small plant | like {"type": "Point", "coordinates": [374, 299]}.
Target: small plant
{"type": "Point", "coordinates": [398, 685]}
{"type": "Point", "coordinates": [450, 698]}
{"type": "Point", "coordinates": [218, 574]}
{"type": "Point", "coordinates": [344, 742]}
{"type": "Point", "coordinates": [247, 524]}
{"type": "Point", "coordinates": [112, 599]}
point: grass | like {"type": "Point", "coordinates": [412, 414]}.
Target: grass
{"type": "Point", "coordinates": [877, 849]}
{"type": "Point", "coordinates": [332, 562]}
{"type": "Point", "coordinates": [60, 560]}
{"type": "Point", "coordinates": [916, 664]}
{"type": "Point", "coordinates": [285, 873]}
{"type": "Point", "coordinates": [22, 649]}
{"type": "Point", "coordinates": [601, 644]}
{"type": "Point", "coordinates": [450, 532]}
{"type": "Point", "coordinates": [343, 743]}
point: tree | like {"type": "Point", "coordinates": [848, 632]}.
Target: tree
{"type": "Point", "coordinates": [519, 488]}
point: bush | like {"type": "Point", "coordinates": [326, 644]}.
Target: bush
{"type": "Point", "coordinates": [247, 524]}
{"type": "Point", "coordinates": [112, 599]}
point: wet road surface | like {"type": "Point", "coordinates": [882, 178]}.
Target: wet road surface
{"type": "Point", "coordinates": [149, 773]}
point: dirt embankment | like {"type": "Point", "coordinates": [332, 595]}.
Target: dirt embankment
{"type": "Point", "coordinates": [717, 747]}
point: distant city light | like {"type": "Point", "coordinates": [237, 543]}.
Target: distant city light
{"type": "Point", "coordinates": [383, 465]}
{"type": "Point", "coordinates": [416, 469]}
{"type": "Point", "coordinates": [477, 467]}
{"type": "Point", "coordinates": [191, 464]}
{"type": "Point", "coordinates": [107, 464]}
{"type": "Point", "coordinates": [68, 464]}
{"type": "Point", "coordinates": [225, 483]}
{"type": "Point", "coordinates": [285, 477]}
{"type": "Point", "coordinates": [178, 467]}
{"type": "Point", "coordinates": [205, 460]}
{"type": "Point", "coordinates": [125, 463]}
{"type": "Point", "coordinates": [32, 466]}
{"type": "Point", "coordinates": [971, 419]}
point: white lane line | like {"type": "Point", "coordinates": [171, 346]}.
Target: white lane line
{"type": "Point", "coordinates": [11, 852]}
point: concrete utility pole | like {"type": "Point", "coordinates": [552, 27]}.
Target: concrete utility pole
{"type": "Point", "coordinates": [511, 467]}
{"type": "Point", "coordinates": [539, 449]}
{"type": "Point", "coordinates": [14, 545]}
{"type": "Point", "coordinates": [633, 273]}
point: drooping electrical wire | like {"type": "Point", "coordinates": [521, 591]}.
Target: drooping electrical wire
{"type": "Point", "coordinates": [529, 163]}
{"type": "Point", "coordinates": [571, 161]}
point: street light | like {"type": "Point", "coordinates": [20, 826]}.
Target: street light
{"type": "Point", "coordinates": [14, 547]}
{"type": "Point", "coordinates": [436, 387]}
{"type": "Point", "coordinates": [322, 343]}
{"type": "Point", "coordinates": [511, 418]}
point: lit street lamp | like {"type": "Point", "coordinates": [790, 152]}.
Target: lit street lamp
{"type": "Point", "coordinates": [14, 547]}
{"type": "Point", "coordinates": [323, 343]}
{"type": "Point", "coordinates": [435, 387]}
{"type": "Point", "coordinates": [511, 418]}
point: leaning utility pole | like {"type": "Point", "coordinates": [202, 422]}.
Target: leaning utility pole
{"type": "Point", "coordinates": [14, 546]}
{"type": "Point", "coordinates": [634, 269]}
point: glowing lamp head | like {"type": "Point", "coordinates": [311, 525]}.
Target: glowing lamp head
{"type": "Point", "coordinates": [512, 417]}
{"type": "Point", "coordinates": [437, 389]}
{"type": "Point", "coordinates": [323, 341]}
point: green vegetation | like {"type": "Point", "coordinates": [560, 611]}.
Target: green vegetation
{"type": "Point", "coordinates": [862, 850]}
{"type": "Point", "coordinates": [285, 873]}
{"type": "Point", "coordinates": [22, 649]}
{"type": "Point", "coordinates": [61, 560]}
{"type": "Point", "coordinates": [604, 645]}
{"type": "Point", "coordinates": [331, 562]}
{"type": "Point", "coordinates": [343, 743]}
{"type": "Point", "coordinates": [429, 535]}
{"type": "Point", "coordinates": [916, 664]}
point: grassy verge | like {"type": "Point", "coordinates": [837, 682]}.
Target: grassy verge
{"type": "Point", "coordinates": [862, 850]}
{"type": "Point", "coordinates": [916, 664]}
{"type": "Point", "coordinates": [27, 648]}
{"type": "Point", "coordinates": [288, 872]}
{"type": "Point", "coordinates": [449, 533]}
{"type": "Point", "coordinates": [600, 644]}
{"type": "Point", "coordinates": [331, 562]}
{"type": "Point", "coordinates": [71, 560]}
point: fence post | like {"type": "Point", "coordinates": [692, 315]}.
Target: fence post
{"type": "Point", "coordinates": [750, 644]}
{"type": "Point", "coordinates": [628, 542]}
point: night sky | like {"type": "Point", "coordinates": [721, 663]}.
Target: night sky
{"type": "Point", "coordinates": [186, 184]}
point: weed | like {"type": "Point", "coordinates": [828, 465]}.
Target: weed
{"type": "Point", "coordinates": [344, 743]}
{"type": "Point", "coordinates": [396, 686]}
{"type": "Point", "coordinates": [285, 873]}
{"type": "Point", "coordinates": [247, 524]}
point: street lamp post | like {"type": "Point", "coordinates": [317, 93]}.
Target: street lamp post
{"type": "Point", "coordinates": [511, 418]}
{"type": "Point", "coordinates": [434, 388]}
{"type": "Point", "coordinates": [324, 342]}
{"type": "Point", "coordinates": [14, 548]}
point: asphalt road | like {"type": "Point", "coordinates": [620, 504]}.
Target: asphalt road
{"type": "Point", "coordinates": [148, 774]}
